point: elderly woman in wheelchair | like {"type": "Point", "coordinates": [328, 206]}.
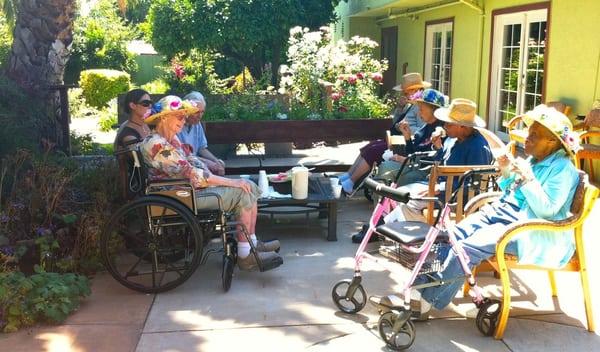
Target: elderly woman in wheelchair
{"type": "Point", "coordinates": [166, 227]}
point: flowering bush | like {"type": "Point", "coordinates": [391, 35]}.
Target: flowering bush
{"type": "Point", "coordinates": [345, 72]}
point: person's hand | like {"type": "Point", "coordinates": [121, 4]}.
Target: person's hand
{"type": "Point", "coordinates": [436, 141]}
{"type": "Point", "coordinates": [523, 169]}
{"type": "Point", "coordinates": [398, 158]}
{"type": "Point", "coordinates": [503, 161]}
{"type": "Point", "coordinates": [243, 184]}
{"type": "Point", "coordinates": [404, 128]}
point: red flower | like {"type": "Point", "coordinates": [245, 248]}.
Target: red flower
{"type": "Point", "coordinates": [360, 75]}
{"type": "Point", "coordinates": [178, 70]}
{"type": "Point", "coordinates": [377, 77]}
{"type": "Point", "coordinates": [336, 96]}
{"type": "Point", "coordinates": [343, 109]}
{"type": "Point", "coordinates": [352, 79]}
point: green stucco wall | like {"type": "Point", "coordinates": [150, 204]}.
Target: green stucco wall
{"type": "Point", "coordinates": [573, 67]}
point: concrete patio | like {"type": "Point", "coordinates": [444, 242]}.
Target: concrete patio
{"type": "Point", "coordinates": [290, 308]}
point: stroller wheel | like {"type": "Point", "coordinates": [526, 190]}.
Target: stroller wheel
{"type": "Point", "coordinates": [487, 317]}
{"type": "Point", "coordinates": [396, 337]}
{"type": "Point", "coordinates": [348, 297]}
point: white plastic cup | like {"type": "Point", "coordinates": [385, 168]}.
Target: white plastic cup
{"type": "Point", "coordinates": [334, 181]}
{"type": "Point", "coordinates": [337, 190]}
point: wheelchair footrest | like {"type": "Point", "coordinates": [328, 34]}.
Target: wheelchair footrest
{"type": "Point", "coordinates": [271, 264]}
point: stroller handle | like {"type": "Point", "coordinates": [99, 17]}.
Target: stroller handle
{"type": "Point", "coordinates": [386, 191]}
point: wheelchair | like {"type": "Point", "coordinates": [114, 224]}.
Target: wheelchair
{"type": "Point", "coordinates": [156, 241]}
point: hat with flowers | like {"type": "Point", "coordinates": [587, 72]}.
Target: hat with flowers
{"type": "Point", "coordinates": [557, 123]}
{"type": "Point", "coordinates": [170, 105]}
{"type": "Point", "coordinates": [431, 97]}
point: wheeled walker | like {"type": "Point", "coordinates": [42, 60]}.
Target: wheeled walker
{"type": "Point", "coordinates": [417, 248]}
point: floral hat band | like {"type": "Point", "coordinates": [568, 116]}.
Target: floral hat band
{"type": "Point", "coordinates": [557, 123]}
{"type": "Point", "coordinates": [431, 97]}
{"type": "Point", "coordinates": [170, 105]}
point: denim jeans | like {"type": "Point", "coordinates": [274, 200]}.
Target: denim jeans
{"type": "Point", "coordinates": [478, 234]}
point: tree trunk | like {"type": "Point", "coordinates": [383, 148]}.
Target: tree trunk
{"type": "Point", "coordinates": [42, 37]}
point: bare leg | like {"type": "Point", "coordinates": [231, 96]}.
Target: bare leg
{"type": "Point", "coordinates": [247, 220]}
{"type": "Point", "coordinates": [358, 161]}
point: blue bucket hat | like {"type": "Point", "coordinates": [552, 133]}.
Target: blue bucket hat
{"type": "Point", "coordinates": [431, 97]}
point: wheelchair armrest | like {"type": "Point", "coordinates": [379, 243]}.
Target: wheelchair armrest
{"type": "Point", "coordinates": [171, 182]}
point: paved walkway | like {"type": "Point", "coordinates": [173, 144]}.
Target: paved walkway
{"type": "Point", "coordinates": [290, 308]}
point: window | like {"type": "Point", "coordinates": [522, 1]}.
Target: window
{"type": "Point", "coordinates": [438, 55]}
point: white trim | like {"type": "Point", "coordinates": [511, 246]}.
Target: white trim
{"type": "Point", "coordinates": [524, 19]}
{"type": "Point", "coordinates": [442, 28]}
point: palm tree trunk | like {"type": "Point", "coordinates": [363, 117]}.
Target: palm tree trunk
{"type": "Point", "coordinates": [42, 36]}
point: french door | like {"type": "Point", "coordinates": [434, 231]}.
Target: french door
{"type": "Point", "coordinates": [438, 56]}
{"type": "Point", "coordinates": [517, 77]}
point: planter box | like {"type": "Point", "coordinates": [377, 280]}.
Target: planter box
{"type": "Point", "coordinates": [355, 130]}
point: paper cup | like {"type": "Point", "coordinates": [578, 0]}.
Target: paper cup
{"type": "Point", "coordinates": [334, 181]}
{"type": "Point", "coordinates": [337, 190]}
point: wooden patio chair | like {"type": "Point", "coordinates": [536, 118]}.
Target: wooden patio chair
{"type": "Point", "coordinates": [589, 151]}
{"type": "Point", "coordinates": [517, 131]}
{"type": "Point", "coordinates": [583, 202]}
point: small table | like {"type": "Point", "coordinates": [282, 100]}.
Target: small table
{"type": "Point", "coordinates": [320, 199]}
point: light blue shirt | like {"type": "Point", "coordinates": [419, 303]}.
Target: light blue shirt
{"type": "Point", "coordinates": [194, 136]}
{"type": "Point", "coordinates": [548, 196]}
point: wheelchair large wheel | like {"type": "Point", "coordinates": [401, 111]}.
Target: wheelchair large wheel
{"type": "Point", "coordinates": [396, 337]}
{"type": "Point", "coordinates": [152, 244]}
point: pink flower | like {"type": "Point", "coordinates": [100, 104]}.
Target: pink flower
{"type": "Point", "coordinates": [336, 96]}
{"type": "Point", "coordinates": [175, 105]}
{"type": "Point", "coordinates": [352, 79]}
{"type": "Point", "coordinates": [377, 77]}
{"type": "Point", "coordinates": [343, 109]}
{"type": "Point", "coordinates": [178, 70]}
{"type": "Point", "coordinates": [360, 75]}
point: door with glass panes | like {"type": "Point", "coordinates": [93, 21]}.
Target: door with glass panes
{"type": "Point", "coordinates": [517, 76]}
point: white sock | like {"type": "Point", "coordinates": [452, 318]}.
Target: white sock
{"type": "Point", "coordinates": [344, 176]}
{"type": "Point", "coordinates": [348, 185]}
{"type": "Point", "coordinates": [253, 239]}
{"type": "Point", "coordinates": [243, 249]}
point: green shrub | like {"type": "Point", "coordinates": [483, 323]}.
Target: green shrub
{"type": "Point", "coordinates": [194, 71]}
{"type": "Point", "coordinates": [107, 120]}
{"type": "Point", "coordinates": [100, 86]}
{"type": "Point", "coordinates": [42, 297]}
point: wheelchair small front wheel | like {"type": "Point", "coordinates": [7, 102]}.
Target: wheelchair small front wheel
{"type": "Point", "coordinates": [397, 337]}
{"type": "Point", "coordinates": [152, 244]}
{"type": "Point", "coordinates": [487, 317]}
{"type": "Point", "coordinates": [352, 304]}
{"type": "Point", "coordinates": [227, 272]}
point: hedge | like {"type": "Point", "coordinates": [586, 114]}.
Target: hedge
{"type": "Point", "coordinates": [100, 86]}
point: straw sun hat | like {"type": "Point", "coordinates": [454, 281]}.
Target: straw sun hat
{"type": "Point", "coordinates": [555, 122]}
{"type": "Point", "coordinates": [170, 105]}
{"type": "Point", "coordinates": [461, 112]}
{"type": "Point", "coordinates": [412, 81]}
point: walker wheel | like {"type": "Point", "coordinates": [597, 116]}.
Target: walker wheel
{"type": "Point", "coordinates": [487, 317]}
{"type": "Point", "coordinates": [396, 337]}
{"type": "Point", "coordinates": [352, 304]}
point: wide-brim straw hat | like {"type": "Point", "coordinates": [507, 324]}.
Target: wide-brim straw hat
{"type": "Point", "coordinates": [412, 80]}
{"type": "Point", "coordinates": [461, 112]}
{"type": "Point", "coordinates": [430, 96]}
{"type": "Point", "coordinates": [170, 105]}
{"type": "Point", "coordinates": [555, 122]}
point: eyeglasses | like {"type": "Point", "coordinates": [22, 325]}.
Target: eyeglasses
{"type": "Point", "coordinates": [145, 103]}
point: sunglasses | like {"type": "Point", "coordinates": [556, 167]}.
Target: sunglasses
{"type": "Point", "coordinates": [145, 103]}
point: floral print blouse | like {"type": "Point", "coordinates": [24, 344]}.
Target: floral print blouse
{"type": "Point", "coordinates": [167, 160]}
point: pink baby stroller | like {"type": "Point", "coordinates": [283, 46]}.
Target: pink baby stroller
{"type": "Point", "coordinates": [416, 247]}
